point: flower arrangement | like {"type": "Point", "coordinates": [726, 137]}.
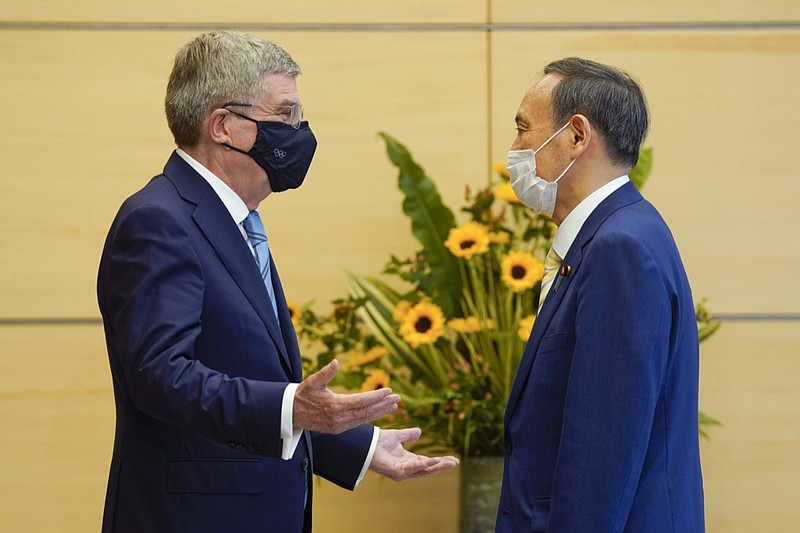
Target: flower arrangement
{"type": "Point", "coordinates": [448, 335]}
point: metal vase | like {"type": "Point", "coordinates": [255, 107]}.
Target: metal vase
{"type": "Point", "coordinates": [481, 478]}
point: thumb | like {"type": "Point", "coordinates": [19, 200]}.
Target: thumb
{"type": "Point", "coordinates": [409, 434]}
{"type": "Point", "coordinates": [321, 378]}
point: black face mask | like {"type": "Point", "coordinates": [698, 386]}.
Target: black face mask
{"type": "Point", "coordinates": [283, 152]}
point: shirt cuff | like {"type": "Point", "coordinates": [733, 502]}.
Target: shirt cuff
{"type": "Point", "coordinates": [368, 460]}
{"type": "Point", "coordinates": [289, 435]}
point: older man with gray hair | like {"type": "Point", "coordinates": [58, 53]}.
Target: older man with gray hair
{"type": "Point", "coordinates": [216, 429]}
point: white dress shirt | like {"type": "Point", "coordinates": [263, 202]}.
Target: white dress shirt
{"type": "Point", "coordinates": [239, 211]}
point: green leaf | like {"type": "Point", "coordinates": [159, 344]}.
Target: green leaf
{"type": "Point", "coordinates": [704, 422]}
{"type": "Point", "coordinates": [431, 222]}
{"type": "Point", "coordinates": [641, 171]}
{"type": "Point", "coordinates": [707, 330]}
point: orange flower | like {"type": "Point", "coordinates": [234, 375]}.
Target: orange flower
{"type": "Point", "coordinates": [525, 327]}
{"type": "Point", "coordinates": [500, 169]}
{"type": "Point", "coordinates": [376, 379]}
{"type": "Point", "coordinates": [521, 271]}
{"type": "Point", "coordinates": [506, 192]}
{"type": "Point", "coordinates": [361, 359]}
{"type": "Point", "coordinates": [294, 312]}
{"type": "Point", "coordinates": [423, 324]}
{"type": "Point", "coordinates": [468, 240]}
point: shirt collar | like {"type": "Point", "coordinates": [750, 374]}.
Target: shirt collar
{"type": "Point", "coordinates": [571, 226]}
{"type": "Point", "coordinates": [235, 205]}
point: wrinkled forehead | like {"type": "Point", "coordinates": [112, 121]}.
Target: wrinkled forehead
{"type": "Point", "coordinates": [279, 89]}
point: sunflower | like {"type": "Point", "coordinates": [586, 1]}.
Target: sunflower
{"type": "Point", "coordinates": [525, 327]}
{"type": "Point", "coordinates": [521, 271]}
{"type": "Point", "coordinates": [506, 192]}
{"type": "Point", "coordinates": [468, 240]}
{"type": "Point", "coordinates": [499, 237]}
{"type": "Point", "coordinates": [469, 324]}
{"type": "Point", "coordinates": [423, 324]}
{"type": "Point", "coordinates": [361, 359]}
{"type": "Point", "coordinates": [500, 169]}
{"type": "Point", "coordinates": [294, 312]}
{"type": "Point", "coordinates": [376, 379]}
{"type": "Point", "coordinates": [401, 310]}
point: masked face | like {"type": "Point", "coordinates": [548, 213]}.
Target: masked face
{"type": "Point", "coordinates": [285, 153]}
{"type": "Point", "coordinates": [532, 190]}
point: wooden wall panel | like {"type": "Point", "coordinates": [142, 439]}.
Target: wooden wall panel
{"type": "Point", "coordinates": [751, 466]}
{"type": "Point", "coordinates": [429, 91]}
{"type": "Point", "coordinates": [77, 151]}
{"type": "Point", "coordinates": [57, 420]}
{"type": "Point", "coordinates": [724, 175]}
{"type": "Point", "coordinates": [56, 411]}
{"type": "Point", "coordinates": [88, 110]}
{"type": "Point", "coordinates": [644, 11]}
{"type": "Point", "coordinates": [88, 130]}
{"type": "Point", "coordinates": [244, 12]}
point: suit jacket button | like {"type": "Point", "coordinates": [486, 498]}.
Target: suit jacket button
{"type": "Point", "coordinates": [304, 464]}
{"type": "Point", "coordinates": [509, 447]}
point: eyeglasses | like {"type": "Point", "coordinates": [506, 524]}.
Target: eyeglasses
{"type": "Point", "coordinates": [290, 114]}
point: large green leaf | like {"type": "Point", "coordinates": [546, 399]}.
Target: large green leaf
{"type": "Point", "coordinates": [377, 314]}
{"type": "Point", "coordinates": [641, 171]}
{"type": "Point", "coordinates": [431, 222]}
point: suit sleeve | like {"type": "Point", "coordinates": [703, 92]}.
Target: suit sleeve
{"type": "Point", "coordinates": [151, 293]}
{"type": "Point", "coordinates": [340, 458]}
{"type": "Point", "coordinates": [619, 363]}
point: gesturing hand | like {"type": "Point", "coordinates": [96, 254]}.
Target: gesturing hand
{"type": "Point", "coordinates": [397, 463]}
{"type": "Point", "coordinates": [317, 408]}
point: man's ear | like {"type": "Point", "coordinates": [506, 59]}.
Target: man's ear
{"type": "Point", "coordinates": [582, 133]}
{"type": "Point", "coordinates": [217, 124]}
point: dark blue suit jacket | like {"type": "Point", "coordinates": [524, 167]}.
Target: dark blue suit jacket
{"type": "Point", "coordinates": [199, 366]}
{"type": "Point", "coordinates": [601, 423]}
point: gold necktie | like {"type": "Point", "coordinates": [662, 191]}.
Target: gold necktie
{"type": "Point", "coordinates": [551, 266]}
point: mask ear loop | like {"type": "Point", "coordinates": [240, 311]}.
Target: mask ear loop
{"type": "Point", "coordinates": [553, 136]}
{"type": "Point", "coordinates": [566, 169]}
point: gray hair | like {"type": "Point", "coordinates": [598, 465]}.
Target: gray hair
{"type": "Point", "coordinates": [611, 100]}
{"type": "Point", "coordinates": [214, 68]}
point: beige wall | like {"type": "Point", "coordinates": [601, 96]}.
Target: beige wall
{"type": "Point", "coordinates": [81, 91]}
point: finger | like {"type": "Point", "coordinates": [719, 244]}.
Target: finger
{"type": "Point", "coordinates": [376, 410]}
{"type": "Point", "coordinates": [420, 466]}
{"type": "Point", "coordinates": [366, 399]}
{"type": "Point", "coordinates": [437, 468]}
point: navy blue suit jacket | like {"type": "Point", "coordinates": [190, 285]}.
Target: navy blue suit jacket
{"type": "Point", "coordinates": [601, 423]}
{"type": "Point", "coordinates": [199, 366]}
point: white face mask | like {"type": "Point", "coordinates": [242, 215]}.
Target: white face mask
{"type": "Point", "coordinates": [533, 191]}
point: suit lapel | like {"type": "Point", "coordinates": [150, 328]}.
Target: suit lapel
{"type": "Point", "coordinates": [216, 224]}
{"type": "Point", "coordinates": [625, 195]}
{"type": "Point", "coordinates": [286, 326]}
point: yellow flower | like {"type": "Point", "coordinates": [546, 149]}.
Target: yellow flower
{"type": "Point", "coordinates": [423, 324]}
{"type": "Point", "coordinates": [506, 192]}
{"type": "Point", "coordinates": [294, 312]}
{"type": "Point", "coordinates": [468, 240]}
{"type": "Point", "coordinates": [376, 379]}
{"type": "Point", "coordinates": [500, 168]}
{"type": "Point", "coordinates": [401, 310]}
{"type": "Point", "coordinates": [525, 327]}
{"type": "Point", "coordinates": [499, 237]}
{"type": "Point", "coordinates": [361, 359]}
{"type": "Point", "coordinates": [521, 270]}
{"type": "Point", "coordinates": [469, 324]}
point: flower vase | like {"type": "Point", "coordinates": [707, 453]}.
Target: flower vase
{"type": "Point", "coordinates": [481, 479]}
